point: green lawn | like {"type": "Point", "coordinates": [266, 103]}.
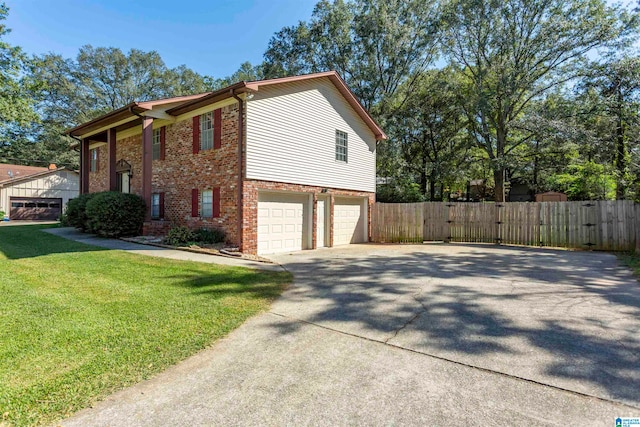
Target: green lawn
{"type": "Point", "coordinates": [78, 322]}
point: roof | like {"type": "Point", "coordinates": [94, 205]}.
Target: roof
{"type": "Point", "coordinates": [45, 172]}
{"type": "Point", "coordinates": [12, 172]}
{"type": "Point", "coordinates": [186, 104]}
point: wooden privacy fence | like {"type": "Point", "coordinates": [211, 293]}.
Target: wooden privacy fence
{"type": "Point", "coordinates": [598, 225]}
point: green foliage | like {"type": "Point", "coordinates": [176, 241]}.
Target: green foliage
{"type": "Point", "coordinates": [75, 214]}
{"type": "Point", "coordinates": [80, 322]}
{"type": "Point", "coordinates": [400, 191]}
{"type": "Point", "coordinates": [589, 181]}
{"type": "Point", "coordinates": [210, 235]}
{"type": "Point", "coordinates": [180, 236]}
{"type": "Point", "coordinates": [115, 214]}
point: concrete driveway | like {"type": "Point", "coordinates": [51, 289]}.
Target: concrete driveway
{"type": "Point", "coordinates": [415, 335]}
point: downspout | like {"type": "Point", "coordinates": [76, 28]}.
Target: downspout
{"type": "Point", "coordinates": [240, 165]}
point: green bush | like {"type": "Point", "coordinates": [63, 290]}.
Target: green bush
{"type": "Point", "coordinates": [75, 215]}
{"type": "Point", "coordinates": [213, 235]}
{"type": "Point", "coordinates": [114, 214]}
{"type": "Point", "coordinates": [179, 236]}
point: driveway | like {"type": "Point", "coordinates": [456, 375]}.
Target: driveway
{"type": "Point", "coordinates": [415, 335]}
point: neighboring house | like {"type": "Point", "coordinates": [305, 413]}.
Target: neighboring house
{"type": "Point", "coordinates": [33, 193]}
{"type": "Point", "coordinates": [280, 165]}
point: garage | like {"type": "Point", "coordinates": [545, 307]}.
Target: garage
{"type": "Point", "coordinates": [282, 222]}
{"type": "Point", "coordinates": [35, 208]}
{"type": "Point", "coordinates": [349, 221]}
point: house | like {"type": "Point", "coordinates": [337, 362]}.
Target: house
{"type": "Point", "coordinates": [36, 193]}
{"type": "Point", "coordinates": [281, 165]}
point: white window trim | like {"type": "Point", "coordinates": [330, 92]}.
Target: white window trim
{"type": "Point", "coordinates": [155, 197]}
{"type": "Point", "coordinates": [341, 137]}
{"type": "Point", "coordinates": [156, 145]}
{"type": "Point", "coordinates": [93, 166]}
{"type": "Point", "coordinates": [206, 208]}
{"type": "Point", "coordinates": [206, 118]}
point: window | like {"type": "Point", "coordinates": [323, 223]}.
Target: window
{"type": "Point", "coordinates": [207, 204]}
{"type": "Point", "coordinates": [155, 145]}
{"type": "Point", "coordinates": [93, 155]}
{"type": "Point", "coordinates": [155, 205]}
{"type": "Point", "coordinates": [206, 131]}
{"type": "Point", "coordinates": [341, 146]}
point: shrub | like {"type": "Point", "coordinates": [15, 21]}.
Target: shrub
{"type": "Point", "coordinates": [179, 236]}
{"type": "Point", "coordinates": [213, 235]}
{"type": "Point", "coordinates": [114, 214]}
{"type": "Point", "coordinates": [75, 215]}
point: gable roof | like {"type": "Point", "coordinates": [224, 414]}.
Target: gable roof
{"type": "Point", "coordinates": [186, 104]}
{"type": "Point", "coordinates": [13, 172]}
{"type": "Point", "coordinates": [27, 177]}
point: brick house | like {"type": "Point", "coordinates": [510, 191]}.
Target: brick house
{"type": "Point", "coordinates": [281, 165]}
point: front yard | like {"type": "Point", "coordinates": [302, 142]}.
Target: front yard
{"type": "Point", "coordinates": [78, 322]}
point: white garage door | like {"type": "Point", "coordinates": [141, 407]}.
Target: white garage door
{"type": "Point", "coordinates": [349, 221]}
{"type": "Point", "coordinates": [281, 222]}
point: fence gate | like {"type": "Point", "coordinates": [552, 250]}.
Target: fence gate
{"type": "Point", "coordinates": [599, 225]}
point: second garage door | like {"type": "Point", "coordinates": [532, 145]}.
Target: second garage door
{"type": "Point", "coordinates": [349, 221]}
{"type": "Point", "coordinates": [35, 208]}
{"type": "Point", "coordinates": [281, 222]}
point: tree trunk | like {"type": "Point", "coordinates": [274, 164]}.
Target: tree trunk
{"type": "Point", "coordinates": [620, 149]}
{"type": "Point", "coordinates": [498, 177]}
{"type": "Point", "coordinates": [432, 190]}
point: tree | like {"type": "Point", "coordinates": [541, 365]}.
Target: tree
{"type": "Point", "coordinates": [97, 81]}
{"type": "Point", "coordinates": [428, 127]}
{"type": "Point", "coordinates": [617, 81]}
{"type": "Point", "coordinates": [375, 45]}
{"type": "Point", "coordinates": [16, 105]}
{"type": "Point", "coordinates": [513, 51]}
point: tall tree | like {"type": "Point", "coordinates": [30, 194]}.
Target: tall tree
{"type": "Point", "coordinates": [428, 126]}
{"type": "Point", "coordinates": [617, 81]}
{"type": "Point", "coordinates": [16, 105]}
{"type": "Point", "coordinates": [513, 51]}
{"type": "Point", "coordinates": [375, 45]}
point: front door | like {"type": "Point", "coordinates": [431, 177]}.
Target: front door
{"type": "Point", "coordinates": [124, 186]}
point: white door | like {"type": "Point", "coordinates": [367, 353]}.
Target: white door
{"type": "Point", "coordinates": [348, 221]}
{"type": "Point", "coordinates": [281, 222]}
{"type": "Point", "coordinates": [320, 225]}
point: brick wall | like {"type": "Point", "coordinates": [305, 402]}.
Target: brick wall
{"type": "Point", "coordinates": [98, 181]}
{"type": "Point", "coordinates": [250, 208]}
{"type": "Point", "coordinates": [181, 171]}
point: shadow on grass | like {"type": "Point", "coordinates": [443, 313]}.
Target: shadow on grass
{"type": "Point", "coordinates": [235, 281]}
{"type": "Point", "coordinates": [569, 315]}
{"type": "Point", "coordinates": [28, 241]}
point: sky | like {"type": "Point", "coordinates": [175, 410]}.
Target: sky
{"type": "Point", "coordinates": [211, 37]}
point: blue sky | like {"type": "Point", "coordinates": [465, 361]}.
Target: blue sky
{"type": "Point", "coordinates": [211, 37]}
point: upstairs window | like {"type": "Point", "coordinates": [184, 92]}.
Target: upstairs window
{"type": "Point", "coordinates": [206, 131]}
{"type": "Point", "coordinates": [93, 155]}
{"type": "Point", "coordinates": [155, 145]}
{"type": "Point", "coordinates": [341, 146]}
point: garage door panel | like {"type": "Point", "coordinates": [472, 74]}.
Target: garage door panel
{"type": "Point", "coordinates": [281, 222]}
{"type": "Point", "coordinates": [35, 208]}
{"type": "Point", "coordinates": [349, 221]}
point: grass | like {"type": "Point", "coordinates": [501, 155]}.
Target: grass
{"type": "Point", "coordinates": [78, 322]}
{"type": "Point", "coordinates": [631, 260]}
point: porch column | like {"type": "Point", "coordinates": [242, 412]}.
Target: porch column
{"type": "Point", "coordinates": [85, 164]}
{"type": "Point", "coordinates": [147, 138]}
{"type": "Point", "coordinates": [111, 142]}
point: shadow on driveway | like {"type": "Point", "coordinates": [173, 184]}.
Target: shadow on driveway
{"type": "Point", "coordinates": [567, 319]}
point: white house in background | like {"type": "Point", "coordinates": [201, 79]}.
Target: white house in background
{"type": "Point", "coordinates": [33, 193]}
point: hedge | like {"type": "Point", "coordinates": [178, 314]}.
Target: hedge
{"type": "Point", "coordinates": [115, 214]}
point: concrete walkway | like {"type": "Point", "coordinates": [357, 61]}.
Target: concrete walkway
{"type": "Point", "coordinates": [90, 239]}
{"type": "Point", "coordinates": [414, 335]}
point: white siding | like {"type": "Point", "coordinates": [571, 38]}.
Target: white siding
{"type": "Point", "coordinates": [62, 184]}
{"type": "Point", "coordinates": [291, 137]}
